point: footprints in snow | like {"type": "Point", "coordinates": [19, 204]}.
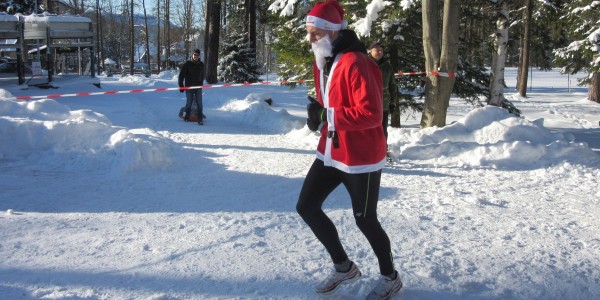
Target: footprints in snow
{"type": "Point", "coordinates": [579, 121]}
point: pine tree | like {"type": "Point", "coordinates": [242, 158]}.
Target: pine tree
{"type": "Point", "coordinates": [237, 62]}
{"type": "Point", "coordinates": [583, 53]}
{"type": "Point", "coordinates": [398, 29]}
{"type": "Point", "coordinates": [289, 42]}
{"type": "Point", "coordinates": [546, 33]}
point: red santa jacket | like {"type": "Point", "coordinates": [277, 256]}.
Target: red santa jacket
{"type": "Point", "coordinates": [352, 97]}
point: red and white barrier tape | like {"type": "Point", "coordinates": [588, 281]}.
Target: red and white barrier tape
{"type": "Point", "coordinates": [53, 96]}
{"type": "Point", "coordinates": [435, 73]}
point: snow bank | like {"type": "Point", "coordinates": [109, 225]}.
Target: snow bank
{"type": "Point", "coordinates": [253, 110]}
{"type": "Point", "coordinates": [488, 137]}
{"type": "Point", "coordinates": [51, 131]}
{"type": "Point", "coordinates": [137, 80]}
{"type": "Point", "coordinates": [168, 75]}
{"type": "Point", "coordinates": [492, 137]}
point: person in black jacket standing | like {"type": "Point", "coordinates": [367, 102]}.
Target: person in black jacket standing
{"type": "Point", "coordinates": [192, 74]}
{"type": "Point", "coordinates": [390, 90]}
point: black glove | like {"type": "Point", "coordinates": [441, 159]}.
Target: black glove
{"type": "Point", "coordinates": [180, 90]}
{"type": "Point", "coordinates": [392, 108]}
{"type": "Point", "coordinates": [316, 114]}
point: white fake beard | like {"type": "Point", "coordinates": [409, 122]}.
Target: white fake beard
{"type": "Point", "coordinates": [322, 48]}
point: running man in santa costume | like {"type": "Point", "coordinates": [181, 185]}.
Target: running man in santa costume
{"type": "Point", "coordinates": [352, 147]}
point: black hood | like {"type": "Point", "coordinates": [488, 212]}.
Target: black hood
{"type": "Point", "coordinates": [347, 41]}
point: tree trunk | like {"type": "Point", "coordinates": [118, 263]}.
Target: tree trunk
{"type": "Point", "coordinates": [207, 9]}
{"type": "Point", "coordinates": [247, 16]}
{"type": "Point", "coordinates": [431, 49]}
{"type": "Point", "coordinates": [499, 57]}
{"type": "Point", "coordinates": [168, 34]}
{"type": "Point", "coordinates": [147, 37]}
{"type": "Point", "coordinates": [524, 55]}
{"type": "Point", "coordinates": [158, 36]}
{"type": "Point", "coordinates": [213, 15]}
{"type": "Point", "coordinates": [102, 54]}
{"type": "Point", "coordinates": [594, 90]}
{"type": "Point", "coordinates": [252, 25]}
{"type": "Point", "coordinates": [132, 48]}
{"type": "Point", "coordinates": [439, 58]}
{"type": "Point", "coordinates": [187, 19]}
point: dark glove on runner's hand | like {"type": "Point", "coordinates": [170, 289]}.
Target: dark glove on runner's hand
{"type": "Point", "coordinates": [316, 114]}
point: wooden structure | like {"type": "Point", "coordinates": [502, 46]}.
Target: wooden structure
{"type": "Point", "coordinates": [11, 28]}
{"type": "Point", "coordinates": [60, 32]}
{"type": "Point", "coordinates": [50, 33]}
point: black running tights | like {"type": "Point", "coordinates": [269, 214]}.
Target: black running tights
{"type": "Point", "coordinates": [364, 192]}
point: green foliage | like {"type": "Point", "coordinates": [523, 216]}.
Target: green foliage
{"type": "Point", "coordinates": [235, 14]}
{"type": "Point", "coordinates": [399, 29]}
{"type": "Point", "coordinates": [288, 40]}
{"type": "Point", "coordinates": [582, 54]}
{"type": "Point", "coordinates": [506, 104]}
{"type": "Point", "coordinates": [472, 79]}
{"type": "Point", "coordinates": [476, 25]}
{"type": "Point", "coordinates": [546, 34]}
{"type": "Point", "coordinates": [237, 62]}
{"type": "Point", "coordinates": [408, 105]}
{"type": "Point", "coordinates": [472, 82]}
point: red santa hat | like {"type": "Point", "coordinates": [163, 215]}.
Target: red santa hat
{"type": "Point", "coordinates": [328, 15]}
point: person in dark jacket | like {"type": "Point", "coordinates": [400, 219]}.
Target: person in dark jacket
{"type": "Point", "coordinates": [390, 90]}
{"type": "Point", "coordinates": [191, 75]}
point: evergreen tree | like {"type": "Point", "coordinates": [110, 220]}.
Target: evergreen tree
{"type": "Point", "coordinates": [472, 78]}
{"type": "Point", "coordinates": [583, 53]}
{"type": "Point", "coordinates": [535, 32]}
{"type": "Point", "coordinates": [582, 22]}
{"type": "Point", "coordinates": [398, 29]}
{"type": "Point", "coordinates": [289, 42]}
{"type": "Point", "coordinates": [237, 62]}
{"type": "Point", "coordinates": [546, 33]}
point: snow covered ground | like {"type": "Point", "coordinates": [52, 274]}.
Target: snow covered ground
{"type": "Point", "coordinates": [114, 197]}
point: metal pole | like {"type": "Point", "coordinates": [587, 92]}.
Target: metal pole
{"type": "Point", "coordinates": [49, 60]}
{"type": "Point", "coordinates": [98, 34]}
{"type": "Point", "coordinates": [132, 43]}
{"type": "Point", "coordinates": [21, 52]}
{"type": "Point", "coordinates": [37, 40]}
{"type": "Point", "coordinates": [531, 78]}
